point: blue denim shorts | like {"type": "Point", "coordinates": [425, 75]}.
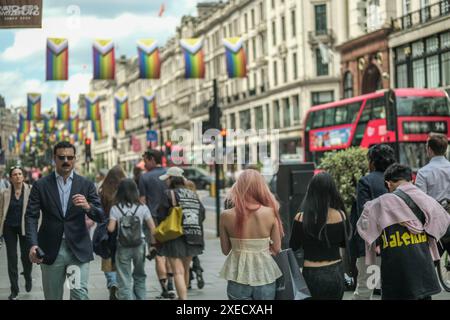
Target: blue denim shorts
{"type": "Point", "coordinates": [238, 291]}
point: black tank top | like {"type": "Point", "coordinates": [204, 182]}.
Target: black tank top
{"type": "Point", "coordinates": [318, 250]}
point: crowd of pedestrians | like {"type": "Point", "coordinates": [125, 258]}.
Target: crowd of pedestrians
{"type": "Point", "coordinates": [396, 224]}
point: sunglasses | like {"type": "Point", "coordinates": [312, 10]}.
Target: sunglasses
{"type": "Point", "coordinates": [69, 158]}
{"type": "Point", "coordinates": [15, 167]}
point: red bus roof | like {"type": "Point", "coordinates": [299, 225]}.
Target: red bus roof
{"type": "Point", "coordinates": [408, 92]}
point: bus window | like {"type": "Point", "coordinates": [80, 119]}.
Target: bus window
{"type": "Point", "coordinates": [423, 106]}
{"type": "Point", "coordinates": [341, 115]}
{"type": "Point", "coordinates": [329, 117]}
{"type": "Point", "coordinates": [378, 108]}
{"type": "Point", "coordinates": [309, 122]}
{"type": "Point", "coordinates": [361, 127]}
{"type": "Point", "coordinates": [353, 111]}
{"type": "Point", "coordinates": [318, 119]}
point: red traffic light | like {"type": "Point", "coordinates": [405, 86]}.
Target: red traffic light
{"type": "Point", "coordinates": [168, 144]}
{"type": "Point", "coordinates": [223, 132]}
{"type": "Point", "coordinates": [87, 141]}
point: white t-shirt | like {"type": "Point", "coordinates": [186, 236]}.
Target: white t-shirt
{"type": "Point", "coordinates": [143, 213]}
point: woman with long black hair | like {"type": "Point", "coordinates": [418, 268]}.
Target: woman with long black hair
{"type": "Point", "coordinates": [319, 230]}
{"type": "Point", "coordinates": [13, 205]}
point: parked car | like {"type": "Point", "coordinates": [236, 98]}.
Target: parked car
{"type": "Point", "coordinates": [199, 176]}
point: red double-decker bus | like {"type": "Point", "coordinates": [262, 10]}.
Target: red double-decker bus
{"type": "Point", "coordinates": [361, 121]}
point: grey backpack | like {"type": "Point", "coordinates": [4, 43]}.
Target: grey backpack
{"type": "Point", "coordinates": [130, 229]}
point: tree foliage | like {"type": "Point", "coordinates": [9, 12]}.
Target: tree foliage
{"type": "Point", "coordinates": [346, 167]}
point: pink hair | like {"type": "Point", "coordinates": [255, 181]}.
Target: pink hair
{"type": "Point", "coordinates": [250, 188]}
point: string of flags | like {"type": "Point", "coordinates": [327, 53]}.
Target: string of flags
{"type": "Point", "coordinates": [149, 61]}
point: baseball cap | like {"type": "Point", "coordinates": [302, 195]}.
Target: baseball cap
{"type": "Point", "coordinates": [172, 172]}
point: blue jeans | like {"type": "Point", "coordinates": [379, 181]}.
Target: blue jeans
{"type": "Point", "coordinates": [131, 284]}
{"type": "Point", "coordinates": [238, 291]}
{"type": "Point", "coordinates": [111, 279]}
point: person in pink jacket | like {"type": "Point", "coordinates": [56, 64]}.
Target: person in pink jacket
{"type": "Point", "coordinates": [405, 240]}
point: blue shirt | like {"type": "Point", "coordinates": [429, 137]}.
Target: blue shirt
{"type": "Point", "coordinates": [64, 190]}
{"type": "Point", "coordinates": [434, 178]}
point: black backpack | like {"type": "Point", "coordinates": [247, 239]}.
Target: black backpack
{"type": "Point", "coordinates": [130, 229]}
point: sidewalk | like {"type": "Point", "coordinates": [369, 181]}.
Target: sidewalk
{"type": "Point", "coordinates": [211, 260]}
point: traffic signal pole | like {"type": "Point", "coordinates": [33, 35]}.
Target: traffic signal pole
{"type": "Point", "coordinates": [216, 125]}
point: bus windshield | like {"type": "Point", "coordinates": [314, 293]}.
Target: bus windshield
{"type": "Point", "coordinates": [423, 106]}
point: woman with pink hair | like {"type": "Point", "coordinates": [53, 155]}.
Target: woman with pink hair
{"type": "Point", "coordinates": [250, 233]}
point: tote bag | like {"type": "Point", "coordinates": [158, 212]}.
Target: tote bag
{"type": "Point", "coordinates": [292, 285]}
{"type": "Point", "coordinates": [172, 226]}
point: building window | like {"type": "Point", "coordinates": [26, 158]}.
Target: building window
{"type": "Point", "coordinates": [274, 33]}
{"type": "Point", "coordinates": [275, 73]}
{"type": "Point", "coordinates": [348, 85]}
{"type": "Point", "coordinates": [321, 66]}
{"type": "Point", "coordinates": [273, 4]}
{"type": "Point", "coordinates": [285, 71]}
{"type": "Point", "coordinates": [402, 76]}
{"type": "Point", "coordinates": [245, 22]}
{"type": "Point", "coordinates": [406, 7]}
{"type": "Point", "coordinates": [283, 28]}
{"type": "Point", "coordinates": [276, 115]}
{"type": "Point", "coordinates": [322, 97]}
{"type": "Point", "coordinates": [296, 106]}
{"type": "Point", "coordinates": [321, 19]}
{"type": "Point", "coordinates": [232, 121]}
{"type": "Point", "coordinates": [445, 69]}
{"type": "Point", "coordinates": [259, 118]}
{"type": "Point", "coordinates": [245, 120]}
{"type": "Point", "coordinates": [419, 73]}
{"type": "Point", "coordinates": [293, 23]}
{"type": "Point", "coordinates": [253, 18]}
{"type": "Point", "coordinates": [262, 15]}
{"type": "Point", "coordinates": [286, 113]}
{"type": "Point", "coordinates": [254, 48]}
{"type": "Point", "coordinates": [294, 65]}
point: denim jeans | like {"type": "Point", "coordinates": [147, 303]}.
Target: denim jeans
{"type": "Point", "coordinates": [238, 291]}
{"type": "Point", "coordinates": [131, 284]}
{"type": "Point", "coordinates": [325, 283]}
{"type": "Point", "coordinates": [111, 279]}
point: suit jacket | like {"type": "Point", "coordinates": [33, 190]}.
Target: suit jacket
{"type": "Point", "coordinates": [44, 196]}
{"type": "Point", "coordinates": [369, 188]}
{"type": "Point", "coordinates": [5, 198]}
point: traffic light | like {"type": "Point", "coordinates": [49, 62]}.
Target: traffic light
{"type": "Point", "coordinates": [223, 133]}
{"type": "Point", "coordinates": [87, 149]}
{"type": "Point", "coordinates": [168, 148]}
{"type": "Point", "coordinates": [214, 116]}
{"type": "Point", "coordinates": [114, 143]}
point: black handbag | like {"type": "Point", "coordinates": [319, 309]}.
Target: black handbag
{"type": "Point", "coordinates": [292, 285]}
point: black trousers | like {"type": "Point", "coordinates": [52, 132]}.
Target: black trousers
{"type": "Point", "coordinates": [325, 283]}
{"type": "Point", "coordinates": [11, 234]}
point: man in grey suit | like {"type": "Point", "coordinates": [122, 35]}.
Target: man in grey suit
{"type": "Point", "coordinates": [64, 198]}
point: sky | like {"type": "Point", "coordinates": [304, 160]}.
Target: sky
{"type": "Point", "coordinates": [22, 51]}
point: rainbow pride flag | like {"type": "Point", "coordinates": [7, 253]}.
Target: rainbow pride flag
{"type": "Point", "coordinates": [63, 107]}
{"type": "Point", "coordinates": [73, 125]}
{"type": "Point", "coordinates": [148, 57]}
{"type": "Point", "coordinates": [79, 136]}
{"type": "Point", "coordinates": [104, 62]}
{"type": "Point", "coordinates": [57, 59]}
{"type": "Point", "coordinates": [194, 58]}
{"type": "Point", "coordinates": [119, 125]}
{"type": "Point", "coordinates": [92, 106]}
{"type": "Point", "coordinates": [97, 129]}
{"type": "Point", "coordinates": [24, 125]}
{"type": "Point", "coordinates": [150, 110]}
{"type": "Point", "coordinates": [59, 135]}
{"type": "Point", "coordinates": [121, 102]}
{"type": "Point", "coordinates": [33, 106]}
{"type": "Point", "coordinates": [49, 124]}
{"type": "Point", "coordinates": [235, 57]}
{"type": "Point", "coordinates": [21, 136]}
